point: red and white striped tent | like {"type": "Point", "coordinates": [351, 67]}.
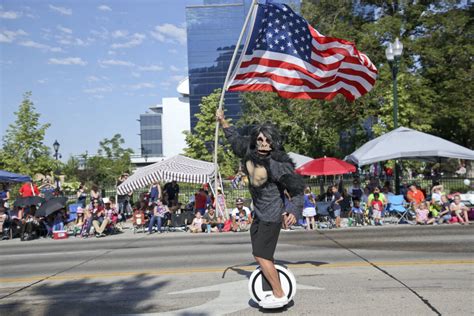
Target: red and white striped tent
{"type": "Point", "coordinates": [178, 168]}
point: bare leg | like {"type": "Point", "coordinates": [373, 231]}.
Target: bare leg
{"type": "Point", "coordinates": [269, 271]}
{"type": "Point", "coordinates": [308, 222]}
{"type": "Point", "coordinates": [466, 218]}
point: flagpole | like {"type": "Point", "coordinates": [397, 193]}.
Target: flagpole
{"type": "Point", "coordinates": [224, 88]}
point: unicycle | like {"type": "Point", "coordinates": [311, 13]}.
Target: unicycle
{"type": "Point", "coordinates": [259, 286]}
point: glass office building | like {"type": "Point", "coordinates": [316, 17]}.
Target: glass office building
{"type": "Point", "coordinates": [213, 29]}
{"type": "Point", "coordinates": [151, 134]}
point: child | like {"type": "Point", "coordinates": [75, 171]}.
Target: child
{"type": "Point", "coordinates": [460, 210]}
{"type": "Point", "coordinates": [444, 214]}
{"type": "Point", "coordinates": [196, 225]}
{"type": "Point", "coordinates": [79, 222]}
{"type": "Point", "coordinates": [243, 221]}
{"type": "Point", "coordinates": [377, 207]}
{"type": "Point", "coordinates": [422, 212]}
{"type": "Point", "coordinates": [358, 213]}
{"type": "Point", "coordinates": [309, 211]}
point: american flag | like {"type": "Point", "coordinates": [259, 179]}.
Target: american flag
{"type": "Point", "coordinates": [288, 56]}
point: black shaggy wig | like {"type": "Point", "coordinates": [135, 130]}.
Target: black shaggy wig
{"type": "Point", "coordinates": [271, 133]}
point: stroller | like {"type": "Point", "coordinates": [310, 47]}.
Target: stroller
{"type": "Point", "coordinates": [325, 215]}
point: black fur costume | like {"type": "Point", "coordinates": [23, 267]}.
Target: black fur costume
{"type": "Point", "coordinates": [270, 175]}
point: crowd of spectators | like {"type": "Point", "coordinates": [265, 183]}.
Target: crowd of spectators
{"type": "Point", "coordinates": [159, 209]}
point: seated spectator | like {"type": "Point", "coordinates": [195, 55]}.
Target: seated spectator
{"type": "Point", "coordinates": [30, 226]}
{"type": "Point", "coordinates": [422, 212]}
{"type": "Point", "coordinates": [79, 222]}
{"type": "Point", "coordinates": [110, 213]}
{"type": "Point", "coordinates": [377, 208]}
{"type": "Point", "coordinates": [158, 216]}
{"type": "Point", "coordinates": [459, 210]}
{"type": "Point", "coordinates": [436, 193]}
{"type": "Point", "coordinates": [58, 222]}
{"type": "Point", "coordinates": [196, 225]}
{"type": "Point", "coordinates": [211, 218]}
{"type": "Point", "coordinates": [415, 195]}
{"type": "Point", "coordinates": [86, 227]}
{"type": "Point", "coordinates": [357, 212]}
{"type": "Point", "coordinates": [235, 213]}
{"type": "Point", "coordinates": [444, 214]}
{"type": "Point", "coordinates": [99, 222]}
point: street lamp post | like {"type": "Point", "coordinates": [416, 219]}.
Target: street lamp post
{"type": "Point", "coordinates": [393, 53]}
{"type": "Point", "coordinates": [57, 156]}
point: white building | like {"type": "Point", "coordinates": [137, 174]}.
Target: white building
{"type": "Point", "coordinates": [162, 128]}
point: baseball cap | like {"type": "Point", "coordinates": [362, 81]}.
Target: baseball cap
{"type": "Point", "coordinates": [239, 201]}
{"type": "Point", "coordinates": [80, 210]}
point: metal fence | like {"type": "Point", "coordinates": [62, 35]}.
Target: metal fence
{"type": "Point", "coordinates": [318, 185]}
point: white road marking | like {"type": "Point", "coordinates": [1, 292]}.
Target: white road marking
{"type": "Point", "coordinates": [233, 297]}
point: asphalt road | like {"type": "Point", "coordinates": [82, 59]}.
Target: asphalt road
{"type": "Point", "coordinates": [357, 271]}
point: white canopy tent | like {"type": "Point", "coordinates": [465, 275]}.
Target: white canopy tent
{"type": "Point", "coordinates": [178, 168]}
{"type": "Point", "coordinates": [298, 159]}
{"type": "Point", "coordinates": [406, 143]}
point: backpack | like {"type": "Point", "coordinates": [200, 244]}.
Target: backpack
{"type": "Point", "coordinates": [227, 225]}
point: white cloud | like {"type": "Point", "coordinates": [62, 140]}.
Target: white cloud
{"type": "Point", "coordinates": [135, 40]}
{"type": "Point", "coordinates": [103, 33]}
{"type": "Point", "coordinates": [142, 85]}
{"type": "Point", "coordinates": [173, 51]}
{"type": "Point", "coordinates": [44, 47]}
{"type": "Point", "coordinates": [61, 10]}
{"type": "Point", "coordinates": [7, 36]}
{"type": "Point", "coordinates": [67, 61]}
{"type": "Point", "coordinates": [10, 15]}
{"type": "Point", "coordinates": [64, 29]}
{"type": "Point", "coordinates": [97, 90]}
{"type": "Point", "coordinates": [174, 68]}
{"type": "Point", "coordinates": [136, 74]}
{"type": "Point", "coordinates": [115, 62]}
{"type": "Point", "coordinates": [42, 81]}
{"type": "Point", "coordinates": [177, 78]}
{"type": "Point", "coordinates": [150, 68]}
{"type": "Point", "coordinates": [92, 79]}
{"type": "Point", "coordinates": [169, 33]}
{"type": "Point", "coordinates": [104, 7]}
{"type": "Point", "coordinates": [119, 33]}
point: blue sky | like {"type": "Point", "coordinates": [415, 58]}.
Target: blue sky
{"type": "Point", "coordinates": [92, 66]}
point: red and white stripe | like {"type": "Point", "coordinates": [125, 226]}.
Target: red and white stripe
{"type": "Point", "coordinates": [336, 66]}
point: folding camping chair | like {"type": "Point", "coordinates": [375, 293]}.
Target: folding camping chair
{"type": "Point", "coordinates": [398, 208]}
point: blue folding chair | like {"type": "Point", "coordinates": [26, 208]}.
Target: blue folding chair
{"type": "Point", "coordinates": [73, 212]}
{"type": "Point", "coordinates": [398, 208]}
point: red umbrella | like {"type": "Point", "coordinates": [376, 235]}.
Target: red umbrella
{"type": "Point", "coordinates": [325, 166]}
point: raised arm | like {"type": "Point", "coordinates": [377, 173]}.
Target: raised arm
{"type": "Point", "coordinates": [239, 144]}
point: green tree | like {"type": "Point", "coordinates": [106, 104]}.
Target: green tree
{"type": "Point", "coordinates": [110, 162]}
{"type": "Point", "coordinates": [434, 81]}
{"type": "Point", "coordinates": [200, 143]}
{"type": "Point", "coordinates": [23, 148]}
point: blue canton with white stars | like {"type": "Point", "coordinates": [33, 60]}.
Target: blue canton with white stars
{"type": "Point", "coordinates": [278, 29]}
